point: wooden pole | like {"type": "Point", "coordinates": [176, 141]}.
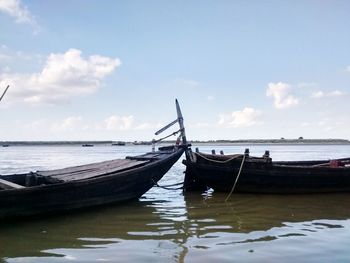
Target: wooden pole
{"type": "Point", "coordinates": [181, 122]}
{"type": "Point", "coordinates": [166, 127]}
{"type": "Point", "coordinates": [180, 118]}
{"type": "Point", "coordinates": [4, 92]}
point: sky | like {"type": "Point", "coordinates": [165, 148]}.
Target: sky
{"type": "Point", "coordinates": [111, 70]}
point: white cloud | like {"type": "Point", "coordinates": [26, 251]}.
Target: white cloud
{"type": "Point", "coordinates": [244, 118]}
{"type": "Point", "coordinates": [336, 93]}
{"type": "Point", "coordinates": [321, 94]}
{"type": "Point", "coordinates": [281, 93]}
{"type": "Point", "coordinates": [116, 122]}
{"type": "Point", "coordinates": [348, 68]}
{"type": "Point", "coordinates": [15, 9]}
{"type": "Point", "coordinates": [78, 124]}
{"type": "Point", "coordinates": [71, 123]}
{"type": "Point", "coordinates": [318, 94]}
{"type": "Point", "coordinates": [63, 76]}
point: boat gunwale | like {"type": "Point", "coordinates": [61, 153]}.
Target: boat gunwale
{"type": "Point", "coordinates": [272, 166]}
{"type": "Point", "coordinates": [254, 159]}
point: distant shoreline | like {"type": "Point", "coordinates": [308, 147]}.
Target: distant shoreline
{"type": "Point", "coordinates": [277, 141]}
{"type": "Point", "coordinates": [195, 142]}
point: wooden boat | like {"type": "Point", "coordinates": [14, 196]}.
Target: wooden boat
{"type": "Point", "coordinates": [262, 175]}
{"type": "Point", "coordinates": [87, 145]}
{"type": "Point", "coordinates": [118, 143]}
{"type": "Point", "coordinates": [87, 185]}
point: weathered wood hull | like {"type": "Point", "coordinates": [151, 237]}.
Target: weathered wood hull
{"type": "Point", "coordinates": [102, 190]}
{"type": "Point", "coordinates": [266, 177]}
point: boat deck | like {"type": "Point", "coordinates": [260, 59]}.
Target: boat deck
{"type": "Point", "coordinates": [102, 168]}
{"type": "Point", "coordinates": [92, 170]}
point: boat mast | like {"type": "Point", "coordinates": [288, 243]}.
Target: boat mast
{"type": "Point", "coordinates": [180, 120]}
{"type": "Point", "coordinates": [4, 92]}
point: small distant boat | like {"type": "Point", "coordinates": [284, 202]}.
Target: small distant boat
{"type": "Point", "coordinates": [5, 145]}
{"type": "Point", "coordinates": [262, 175]}
{"type": "Point", "coordinates": [118, 144]}
{"type": "Point", "coordinates": [88, 185]}
{"type": "Point", "coordinates": [142, 143]}
{"type": "Point", "coordinates": [87, 145]}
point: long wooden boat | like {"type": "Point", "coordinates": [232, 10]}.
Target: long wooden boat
{"type": "Point", "coordinates": [87, 185]}
{"type": "Point", "coordinates": [262, 175]}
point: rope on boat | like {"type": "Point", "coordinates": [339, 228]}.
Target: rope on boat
{"type": "Point", "coordinates": [167, 187]}
{"type": "Point", "coordinates": [217, 161]}
{"type": "Point", "coordinates": [239, 173]}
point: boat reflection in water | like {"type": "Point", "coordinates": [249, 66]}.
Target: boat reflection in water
{"type": "Point", "coordinates": [194, 228]}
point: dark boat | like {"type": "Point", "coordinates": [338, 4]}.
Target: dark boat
{"type": "Point", "coordinates": [246, 174]}
{"type": "Point", "coordinates": [87, 185]}
{"type": "Point", "coordinates": [118, 143]}
{"type": "Point", "coordinates": [141, 143]}
{"type": "Point", "coordinates": [87, 145]}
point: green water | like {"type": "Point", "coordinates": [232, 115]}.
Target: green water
{"type": "Point", "coordinates": [170, 226]}
{"type": "Point", "coordinates": [194, 228]}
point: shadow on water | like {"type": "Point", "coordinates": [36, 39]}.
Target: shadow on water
{"type": "Point", "coordinates": [245, 213]}
{"type": "Point", "coordinates": [177, 228]}
{"type": "Point", "coordinates": [87, 228]}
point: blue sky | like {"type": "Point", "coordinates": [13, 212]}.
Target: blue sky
{"type": "Point", "coordinates": [111, 70]}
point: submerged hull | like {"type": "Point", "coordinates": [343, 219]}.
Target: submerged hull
{"type": "Point", "coordinates": [259, 175]}
{"type": "Point", "coordinates": [113, 187]}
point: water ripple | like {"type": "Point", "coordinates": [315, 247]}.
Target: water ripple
{"type": "Point", "coordinates": [168, 226]}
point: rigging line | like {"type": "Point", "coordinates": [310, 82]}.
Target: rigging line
{"type": "Point", "coordinates": [217, 161]}
{"type": "Point", "coordinates": [239, 173]}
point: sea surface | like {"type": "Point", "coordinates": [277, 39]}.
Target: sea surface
{"type": "Point", "coordinates": [170, 226]}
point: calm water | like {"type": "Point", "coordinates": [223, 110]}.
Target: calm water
{"type": "Point", "coordinates": [167, 226]}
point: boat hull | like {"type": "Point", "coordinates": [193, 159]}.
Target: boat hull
{"type": "Point", "coordinates": [108, 189]}
{"type": "Point", "coordinates": [265, 177]}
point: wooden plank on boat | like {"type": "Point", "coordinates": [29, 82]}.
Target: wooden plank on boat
{"type": "Point", "coordinates": [102, 171]}
{"type": "Point", "coordinates": [92, 170]}
{"type": "Point", "coordinates": [148, 156]}
{"type": "Point", "coordinates": [85, 167]}
{"type": "Point", "coordinates": [9, 185]}
{"type": "Point", "coordinates": [105, 171]}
